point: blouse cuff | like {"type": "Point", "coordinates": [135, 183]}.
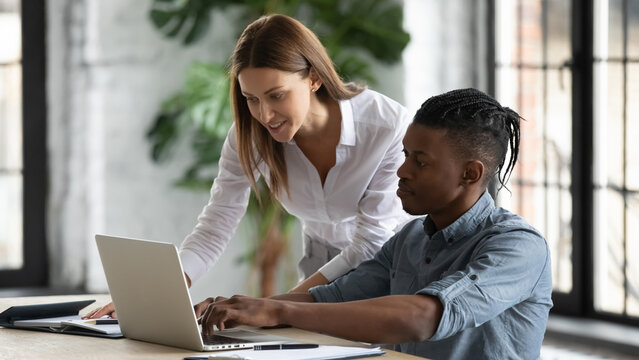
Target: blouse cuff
{"type": "Point", "coordinates": [192, 265]}
{"type": "Point", "coordinates": [335, 268]}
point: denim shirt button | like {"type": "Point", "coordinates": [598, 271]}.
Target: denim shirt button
{"type": "Point", "coordinates": [473, 277]}
{"type": "Point", "coordinates": [428, 260]}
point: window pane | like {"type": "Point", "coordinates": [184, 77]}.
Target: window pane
{"type": "Point", "coordinates": [632, 247]}
{"type": "Point", "coordinates": [633, 29]}
{"type": "Point", "coordinates": [10, 221]}
{"type": "Point", "coordinates": [608, 131]}
{"type": "Point", "coordinates": [10, 118]}
{"type": "Point", "coordinates": [10, 30]}
{"type": "Point", "coordinates": [531, 37]}
{"type": "Point", "coordinates": [558, 51]}
{"type": "Point", "coordinates": [608, 172]}
{"type": "Point", "coordinates": [557, 161]}
{"type": "Point", "coordinates": [632, 183]}
{"type": "Point", "coordinates": [519, 36]}
{"type": "Point", "coordinates": [530, 105]}
{"type": "Point", "coordinates": [10, 137]}
{"type": "Point", "coordinates": [615, 167]}
{"type": "Point", "coordinates": [632, 128]}
{"type": "Point", "coordinates": [558, 130]}
{"type": "Point", "coordinates": [609, 230]}
{"type": "Point", "coordinates": [615, 29]}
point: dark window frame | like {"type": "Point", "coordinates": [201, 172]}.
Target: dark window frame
{"type": "Point", "coordinates": [34, 140]}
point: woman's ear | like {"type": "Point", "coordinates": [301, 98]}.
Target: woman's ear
{"type": "Point", "coordinates": [316, 82]}
{"type": "Point", "coordinates": [473, 172]}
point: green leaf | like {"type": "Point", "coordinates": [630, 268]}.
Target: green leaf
{"type": "Point", "coordinates": [160, 18]}
{"type": "Point", "coordinates": [201, 24]}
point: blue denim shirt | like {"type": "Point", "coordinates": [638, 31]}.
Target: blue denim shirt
{"type": "Point", "coordinates": [490, 269]}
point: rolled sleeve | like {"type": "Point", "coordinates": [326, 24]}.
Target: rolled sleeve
{"type": "Point", "coordinates": [504, 272]}
{"type": "Point", "coordinates": [335, 268]}
{"type": "Point", "coordinates": [456, 309]}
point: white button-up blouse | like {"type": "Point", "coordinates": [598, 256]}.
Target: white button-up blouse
{"type": "Point", "coordinates": [356, 210]}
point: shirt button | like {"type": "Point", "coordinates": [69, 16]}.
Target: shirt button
{"type": "Point", "coordinates": [428, 260]}
{"type": "Point", "coordinates": [473, 277]}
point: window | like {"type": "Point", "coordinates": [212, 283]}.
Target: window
{"type": "Point", "coordinates": [22, 144]}
{"type": "Point", "coordinates": [10, 137]}
{"type": "Point", "coordinates": [616, 157]}
{"type": "Point", "coordinates": [571, 69]}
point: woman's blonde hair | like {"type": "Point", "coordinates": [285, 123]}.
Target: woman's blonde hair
{"type": "Point", "coordinates": [283, 43]}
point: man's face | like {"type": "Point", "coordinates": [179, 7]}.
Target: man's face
{"type": "Point", "coordinates": [430, 180]}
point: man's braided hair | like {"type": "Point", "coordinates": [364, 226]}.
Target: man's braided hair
{"type": "Point", "coordinates": [478, 126]}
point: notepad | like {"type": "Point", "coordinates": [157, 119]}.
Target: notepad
{"type": "Point", "coordinates": [323, 352]}
{"type": "Point", "coordinates": [68, 324]}
{"type": "Point", "coordinates": [110, 329]}
{"type": "Point", "coordinates": [58, 318]}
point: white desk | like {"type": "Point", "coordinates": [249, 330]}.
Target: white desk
{"type": "Point", "coordinates": [26, 344]}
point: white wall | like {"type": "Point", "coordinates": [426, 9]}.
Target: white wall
{"type": "Point", "coordinates": [108, 71]}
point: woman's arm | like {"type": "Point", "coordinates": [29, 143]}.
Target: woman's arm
{"type": "Point", "coordinates": [313, 280]}
{"type": "Point", "coordinates": [219, 219]}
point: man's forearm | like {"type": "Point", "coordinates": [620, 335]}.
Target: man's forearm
{"type": "Point", "coordinates": [296, 297]}
{"type": "Point", "coordinates": [390, 319]}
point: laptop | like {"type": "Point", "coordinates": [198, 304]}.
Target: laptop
{"type": "Point", "coordinates": [152, 300]}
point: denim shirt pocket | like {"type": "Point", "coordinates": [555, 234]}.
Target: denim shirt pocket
{"type": "Point", "coordinates": [402, 283]}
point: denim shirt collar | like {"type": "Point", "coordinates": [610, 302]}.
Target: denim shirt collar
{"type": "Point", "coordinates": [466, 224]}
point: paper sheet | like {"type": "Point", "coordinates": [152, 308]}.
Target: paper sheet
{"type": "Point", "coordinates": [322, 352]}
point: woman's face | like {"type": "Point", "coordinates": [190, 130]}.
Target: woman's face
{"type": "Point", "coordinates": [279, 100]}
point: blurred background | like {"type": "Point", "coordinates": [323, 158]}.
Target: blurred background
{"type": "Point", "coordinates": [111, 113]}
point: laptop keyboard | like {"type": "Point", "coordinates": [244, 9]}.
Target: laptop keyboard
{"type": "Point", "coordinates": [221, 340]}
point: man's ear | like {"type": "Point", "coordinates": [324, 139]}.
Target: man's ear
{"type": "Point", "coordinates": [473, 172]}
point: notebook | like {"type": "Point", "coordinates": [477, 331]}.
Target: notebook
{"type": "Point", "coordinates": [59, 318]}
{"type": "Point", "coordinates": [152, 301]}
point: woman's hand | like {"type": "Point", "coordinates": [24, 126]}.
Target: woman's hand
{"type": "Point", "coordinates": [240, 310]}
{"type": "Point", "coordinates": [107, 309]}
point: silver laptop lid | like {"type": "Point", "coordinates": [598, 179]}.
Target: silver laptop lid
{"type": "Point", "coordinates": [151, 298]}
{"type": "Point", "coordinates": [149, 291]}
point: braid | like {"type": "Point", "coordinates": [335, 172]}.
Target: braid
{"type": "Point", "coordinates": [480, 127]}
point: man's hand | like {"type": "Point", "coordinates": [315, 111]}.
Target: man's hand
{"type": "Point", "coordinates": [107, 309]}
{"type": "Point", "coordinates": [240, 310]}
{"type": "Point", "coordinates": [201, 307]}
